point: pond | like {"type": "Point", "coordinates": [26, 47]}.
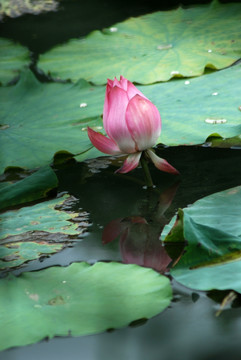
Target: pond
{"type": "Point", "coordinates": [121, 220]}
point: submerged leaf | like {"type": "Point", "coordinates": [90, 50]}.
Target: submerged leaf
{"type": "Point", "coordinates": [16, 253]}
{"type": "Point", "coordinates": [39, 217]}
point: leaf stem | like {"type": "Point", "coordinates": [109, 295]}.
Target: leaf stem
{"type": "Point", "coordinates": [147, 174]}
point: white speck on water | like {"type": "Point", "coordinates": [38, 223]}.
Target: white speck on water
{"type": "Point", "coordinates": [113, 29]}
{"type": "Point", "coordinates": [215, 121]}
{"type": "Point", "coordinates": [209, 50]}
{"type": "Point", "coordinates": [84, 129]}
{"type": "Point", "coordinates": [82, 105]}
{"type": "Point", "coordinates": [215, 93]}
{"type": "Point", "coordinates": [175, 72]}
{"type": "Point", "coordinates": [37, 306]}
{"type": "Point", "coordinates": [187, 82]}
{"type": "Point", "coordinates": [164, 47]}
{"type": "Point", "coordinates": [64, 281]}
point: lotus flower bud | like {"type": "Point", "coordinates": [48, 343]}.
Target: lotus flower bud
{"type": "Point", "coordinates": [132, 124]}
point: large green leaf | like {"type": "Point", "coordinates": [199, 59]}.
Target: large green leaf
{"type": "Point", "coordinates": [31, 188]}
{"type": "Point", "coordinates": [39, 217]}
{"type": "Point", "coordinates": [154, 47]}
{"type": "Point", "coordinates": [212, 228]}
{"type": "Point", "coordinates": [194, 109]}
{"type": "Point", "coordinates": [221, 211]}
{"type": "Point", "coordinates": [42, 119]}
{"type": "Point", "coordinates": [13, 59]}
{"type": "Point", "coordinates": [79, 299]}
{"type": "Point", "coordinates": [55, 117]}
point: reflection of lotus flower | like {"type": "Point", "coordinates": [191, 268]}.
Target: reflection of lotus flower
{"type": "Point", "coordinates": [139, 240]}
{"type": "Point", "coordinates": [133, 125]}
{"type": "Point", "coordinates": [139, 243]}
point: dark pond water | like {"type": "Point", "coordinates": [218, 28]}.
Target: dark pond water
{"type": "Point", "coordinates": [188, 329]}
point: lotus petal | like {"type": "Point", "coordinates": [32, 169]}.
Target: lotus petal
{"type": "Point", "coordinates": [130, 163]}
{"type": "Point", "coordinates": [103, 143]}
{"type": "Point", "coordinates": [161, 164]}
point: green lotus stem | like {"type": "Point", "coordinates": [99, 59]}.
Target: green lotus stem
{"type": "Point", "coordinates": [147, 174]}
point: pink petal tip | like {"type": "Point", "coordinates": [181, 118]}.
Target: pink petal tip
{"type": "Point", "coordinates": [103, 143]}
{"type": "Point", "coordinates": [130, 163]}
{"type": "Point", "coordinates": [162, 164]}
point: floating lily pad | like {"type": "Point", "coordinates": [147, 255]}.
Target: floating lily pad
{"type": "Point", "coordinates": [42, 119]}
{"type": "Point", "coordinates": [33, 133]}
{"type": "Point", "coordinates": [212, 227]}
{"type": "Point", "coordinates": [192, 110]}
{"type": "Point", "coordinates": [17, 253]}
{"type": "Point", "coordinates": [78, 300]}
{"type": "Point", "coordinates": [13, 59]}
{"type": "Point", "coordinates": [154, 47]}
{"type": "Point", "coordinates": [33, 187]}
{"type": "Point", "coordinates": [39, 217]}
{"type": "Point", "coordinates": [15, 8]}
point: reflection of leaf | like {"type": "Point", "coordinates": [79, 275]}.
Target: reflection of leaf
{"type": "Point", "coordinates": [15, 8]}
{"type": "Point", "coordinates": [31, 188]}
{"type": "Point", "coordinates": [212, 228]}
{"type": "Point", "coordinates": [39, 217]}
{"type": "Point", "coordinates": [154, 47]}
{"type": "Point", "coordinates": [13, 59]}
{"type": "Point", "coordinates": [79, 299]}
{"type": "Point", "coordinates": [17, 253]}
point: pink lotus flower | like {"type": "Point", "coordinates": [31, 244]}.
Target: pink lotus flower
{"type": "Point", "coordinates": [133, 125]}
